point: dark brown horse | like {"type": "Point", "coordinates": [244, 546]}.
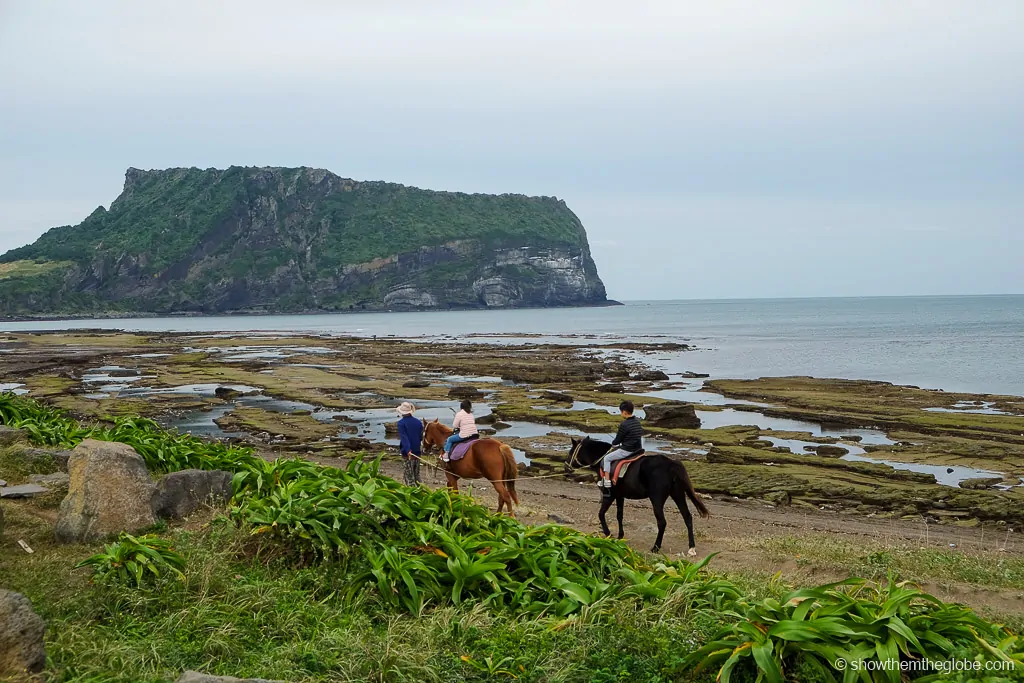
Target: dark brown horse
{"type": "Point", "coordinates": [653, 476]}
{"type": "Point", "coordinates": [486, 458]}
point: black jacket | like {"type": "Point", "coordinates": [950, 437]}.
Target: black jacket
{"type": "Point", "coordinates": [630, 436]}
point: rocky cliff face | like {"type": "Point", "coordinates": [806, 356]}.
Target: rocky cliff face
{"type": "Point", "coordinates": [296, 240]}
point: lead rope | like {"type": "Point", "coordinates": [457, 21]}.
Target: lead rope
{"type": "Point", "coordinates": [572, 459]}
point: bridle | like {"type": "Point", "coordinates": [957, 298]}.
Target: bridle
{"type": "Point", "coordinates": [574, 455]}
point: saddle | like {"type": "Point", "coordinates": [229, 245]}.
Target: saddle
{"type": "Point", "coordinates": [623, 465]}
{"type": "Point", "coordinates": [460, 449]}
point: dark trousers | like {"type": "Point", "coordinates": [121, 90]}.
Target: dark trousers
{"type": "Point", "coordinates": [412, 471]}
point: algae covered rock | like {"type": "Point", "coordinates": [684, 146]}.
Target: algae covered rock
{"type": "Point", "coordinates": [672, 416]}
{"type": "Point", "coordinates": [464, 392]}
{"type": "Point", "coordinates": [110, 491]}
{"type": "Point", "coordinates": [831, 451]}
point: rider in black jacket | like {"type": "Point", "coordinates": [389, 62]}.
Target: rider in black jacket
{"type": "Point", "coordinates": [628, 441]}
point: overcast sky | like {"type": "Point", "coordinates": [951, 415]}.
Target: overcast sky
{"type": "Point", "coordinates": [712, 149]}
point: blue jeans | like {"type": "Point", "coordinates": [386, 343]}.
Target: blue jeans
{"type": "Point", "coordinates": [452, 440]}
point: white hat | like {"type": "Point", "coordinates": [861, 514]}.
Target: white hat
{"type": "Point", "coordinates": [406, 408]}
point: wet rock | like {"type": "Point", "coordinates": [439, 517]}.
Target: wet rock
{"type": "Point", "coordinates": [829, 451]}
{"type": "Point", "coordinates": [391, 428]}
{"type": "Point", "coordinates": [464, 392]}
{"type": "Point", "coordinates": [356, 444]}
{"type": "Point", "coordinates": [226, 393]}
{"type": "Point", "coordinates": [488, 432]}
{"type": "Point", "coordinates": [22, 650]}
{"type": "Point", "coordinates": [695, 375]}
{"type": "Point", "coordinates": [57, 480]}
{"type": "Point", "coordinates": [110, 491]}
{"type": "Point", "coordinates": [612, 388]}
{"type": "Point", "coordinates": [23, 491]}
{"type": "Point", "coordinates": [416, 384]}
{"type": "Point", "coordinates": [650, 376]}
{"type": "Point", "coordinates": [122, 372]}
{"type": "Point", "coordinates": [558, 397]}
{"type": "Point", "coordinates": [181, 494]}
{"type": "Point", "coordinates": [672, 415]}
{"type": "Point", "coordinates": [980, 482]}
{"type": "Point", "coordinates": [10, 436]}
{"type": "Point", "coordinates": [488, 419]}
{"type": "Point", "coordinates": [502, 425]}
{"type": "Point", "coordinates": [196, 677]}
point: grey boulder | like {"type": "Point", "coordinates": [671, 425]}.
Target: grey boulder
{"type": "Point", "coordinates": [22, 650]}
{"type": "Point", "coordinates": [196, 677]}
{"type": "Point", "coordinates": [180, 494]}
{"type": "Point", "coordinates": [10, 436]}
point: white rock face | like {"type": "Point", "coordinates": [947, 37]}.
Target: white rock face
{"type": "Point", "coordinates": [410, 296]}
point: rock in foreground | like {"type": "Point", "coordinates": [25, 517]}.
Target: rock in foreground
{"type": "Point", "coordinates": [22, 651]}
{"type": "Point", "coordinates": [180, 494]}
{"type": "Point", "coordinates": [110, 492]}
{"type": "Point", "coordinates": [196, 677]}
{"type": "Point", "coordinates": [10, 436]}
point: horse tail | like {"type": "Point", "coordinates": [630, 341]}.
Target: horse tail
{"type": "Point", "coordinates": [682, 480]}
{"type": "Point", "coordinates": [510, 472]}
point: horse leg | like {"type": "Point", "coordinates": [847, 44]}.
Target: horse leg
{"type": "Point", "coordinates": [620, 501]}
{"type": "Point", "coordinates": [453, 481]}
{"type": "Point", "coordinates": [658, 501]}
{"type": "Point", "coordinates": [605, 504]}
{"type": "Point", "coordinates": [504, 499]}
{"type": "Point", "coordinates": [684, 510]}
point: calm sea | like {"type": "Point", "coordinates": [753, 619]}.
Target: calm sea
{"type": "Point", "coordinates": [971, 344]}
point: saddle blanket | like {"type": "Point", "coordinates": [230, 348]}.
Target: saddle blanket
{"type": "Point", "coordinates": [623, 465]}
{"type": "Point", "coordinates": [460, 449]}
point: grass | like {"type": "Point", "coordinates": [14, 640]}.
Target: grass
{"type": "Point", "coordinates": [16, 269]}
{"type": "Point", "coordinates": [916, 563]}
{"type": "Point", "coordinates": [237, 614]}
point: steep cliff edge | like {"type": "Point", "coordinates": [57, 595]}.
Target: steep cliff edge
{"type": "Point", "coordinates": [287, 240]}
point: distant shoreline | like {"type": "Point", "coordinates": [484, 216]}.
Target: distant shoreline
{"type": "Point", "coordinates": [254, 314]}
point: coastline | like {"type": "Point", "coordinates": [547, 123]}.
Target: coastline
{"type": "Point", "coordinates": [138, 315]}
{"type": "Point", "coordinates": [326, 396]}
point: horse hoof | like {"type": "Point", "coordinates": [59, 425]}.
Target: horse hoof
{"type": "Point", "coordinates": [656, 549]}
{"type": "Point", "coordinates": [692, 552]}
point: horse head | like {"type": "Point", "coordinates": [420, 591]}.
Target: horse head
{"type": "Point", "coordinates": [586, 452]}
{"type": "Point", "coordinates": [434, 434]}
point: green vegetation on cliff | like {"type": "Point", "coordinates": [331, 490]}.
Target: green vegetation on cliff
{"type": "Point", "coordinates": [276, 239]}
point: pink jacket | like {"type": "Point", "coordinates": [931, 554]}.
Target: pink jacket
{"type": "Point", "coordinates": [465, 424]}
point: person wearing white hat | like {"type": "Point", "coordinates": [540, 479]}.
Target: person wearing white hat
{"type": "Point", "coordinates": [410, 440]}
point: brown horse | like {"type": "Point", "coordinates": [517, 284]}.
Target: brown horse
{"type": "Point", "coordinates": [486, 458]}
